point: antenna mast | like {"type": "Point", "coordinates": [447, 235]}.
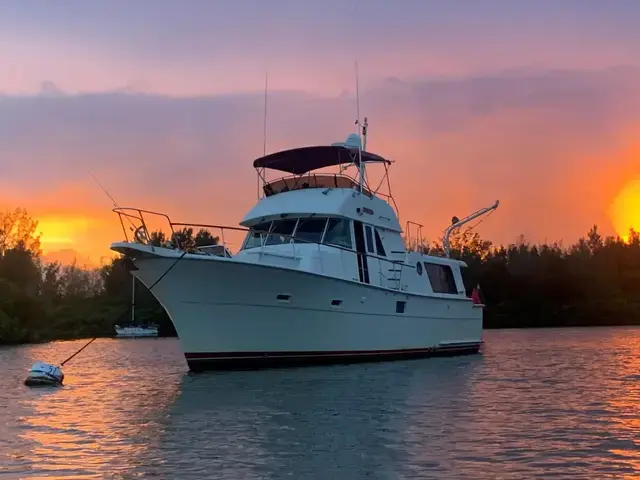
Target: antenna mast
{"type": "Point", "coordinates": [362, 131]}
{"type": "Point", "coordinates": [264, 129]}
{"type": "Point", "coordinates": [264, 133]}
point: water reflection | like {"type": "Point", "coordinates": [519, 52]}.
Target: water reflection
{"type": "Point", "coordinates": [301, 422]}
{"type": "Point", "coordinates": [553, 402]}
{"type": "Point", "coordinates": [103, 420]}
{"type": "Point", "coordinates": [437, 413]}
{"type": "Point", "coordinates": [538, 403]}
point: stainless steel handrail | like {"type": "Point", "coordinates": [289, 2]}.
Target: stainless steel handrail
{"type": "Point", "coordinates": [123, 211]}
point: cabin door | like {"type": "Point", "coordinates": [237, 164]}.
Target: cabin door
{"type": "Point", "coordinates": [361, 252]}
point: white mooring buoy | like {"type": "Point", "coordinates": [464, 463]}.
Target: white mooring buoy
{"type": "Point", "coordinates": [44, 374]}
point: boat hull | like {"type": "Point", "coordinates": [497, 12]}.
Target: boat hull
{"type": "Point", "coordinates": [40, 381]}
{"type": "Point", "coordinates": [130, 333]}
{"type": "Point", "coordinates": [202, 361]}
{"type": "Point", "coordinates": [230, 314]}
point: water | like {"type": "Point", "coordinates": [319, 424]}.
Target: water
{"type": "Point", "coordinates": [561, 403]}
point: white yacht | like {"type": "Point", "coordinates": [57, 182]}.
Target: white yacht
{"type": "Point", "coordinates": [323, 274]}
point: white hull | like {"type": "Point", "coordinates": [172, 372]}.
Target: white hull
{"type": "Point", "coordinates": [227, 313]}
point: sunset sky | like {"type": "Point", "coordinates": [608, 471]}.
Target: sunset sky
{"type": "Point", "coordinates": [533, 103]}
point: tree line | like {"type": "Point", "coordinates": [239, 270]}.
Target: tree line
{"type": "Point", "coordinates": [42, 301]}
{"type": "Point", "coordinates": [595, 281]}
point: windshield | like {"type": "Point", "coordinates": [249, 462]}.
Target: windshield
{"type": "Point", "coordinates": [281, 231]}
{"type": "Point", "coordinates": [310, 230]}
{"type": "Point", "coordinates": [256, 235]}
{"type": "Point", "coordinates": [330, 231]}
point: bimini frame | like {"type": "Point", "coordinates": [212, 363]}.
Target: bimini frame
{"type": "Point", "coordinates": [301, 161]}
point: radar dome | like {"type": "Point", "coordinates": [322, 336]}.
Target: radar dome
{"type": "Point", "coordinates": [353, 141]}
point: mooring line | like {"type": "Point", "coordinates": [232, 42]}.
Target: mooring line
{"type": "Point", "coordinates": [153, 285]}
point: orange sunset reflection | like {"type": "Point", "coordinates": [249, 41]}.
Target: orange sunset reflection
{"type": "Point", "coordinates": [627, 421]}
{"type": "Point", "coordinates": [123, 421]}
{"type": "Point", "coordinates": [541, 408]}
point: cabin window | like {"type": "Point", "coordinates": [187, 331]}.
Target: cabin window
{"type": "Point", "coordinates": [441, 278]}
{"type": "Point", "coordinates": [256, 235]}
{"type": "Point", "coordinates": [310, 230]}
{"type": "Point", "coordinates": [379, 245]}
{"type": "Point", "coordinates": [338, 233]}
{"type": "Point", "coordinates": [281, 231]}
{"type": "Point", "coordinates": [369, 239]}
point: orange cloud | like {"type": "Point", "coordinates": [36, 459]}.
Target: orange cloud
{"type": "Point", "coordinates": [555, 155]}
{"type": "Point", "coordinates": [68, 238]}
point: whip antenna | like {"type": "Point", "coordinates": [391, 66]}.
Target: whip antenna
{"type": "Point", "coordinates": [115, 204]}
{"type": "Point", "coordinates": [264, 128]}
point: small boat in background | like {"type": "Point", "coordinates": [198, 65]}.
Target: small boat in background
{"type": "Point", "coordinates": [137, 331]}
{"type": "Point", "coordinates": [134, 329]}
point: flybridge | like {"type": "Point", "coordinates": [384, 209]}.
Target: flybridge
{"type": "Point", "coordinates": [302, 161]}
{"type": "Point", "coordinates": [299, 161]}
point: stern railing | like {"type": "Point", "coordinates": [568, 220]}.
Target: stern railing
{"type": "Point", "coordinates": [414, 242]}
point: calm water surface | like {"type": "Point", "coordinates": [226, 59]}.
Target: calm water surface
{"type": "Point", "coordinates": [561, 403]}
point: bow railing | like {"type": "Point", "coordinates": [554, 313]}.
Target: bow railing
{"type": "Point", "coordinates": [135, 224]}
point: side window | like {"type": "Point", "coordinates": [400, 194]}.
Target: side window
{"type": "Point", "coordinates": [379, 245]}
{"type": "Point", "coordinates": [441, 278]}
{"type": "Point", "coordinates": [281, 231]}
{"type": "Point", "coordinates": [310, 230]}
{"type": "Point", "coordinates": [256, 235]}
{"type": "Point", "coordinates": [369, 239]}
{"type": "Point", "coordinates": [338, 233]}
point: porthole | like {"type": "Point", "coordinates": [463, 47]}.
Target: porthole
{"type": "Point", "coordinates": [419, 268]}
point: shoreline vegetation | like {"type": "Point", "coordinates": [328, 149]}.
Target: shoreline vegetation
{"type": "Point", "coordinates": [594, 282]}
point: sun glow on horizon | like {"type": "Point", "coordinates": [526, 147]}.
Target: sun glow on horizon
{"type": "Point", "coordinates": [57, 231]}
{"type": "Point", "coordinates": [625, 209]}
{"type": "Point", "coordinates": [73, 238]}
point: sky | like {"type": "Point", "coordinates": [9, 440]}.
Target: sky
{"type": "Point", "coordinates": [536, 104]}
